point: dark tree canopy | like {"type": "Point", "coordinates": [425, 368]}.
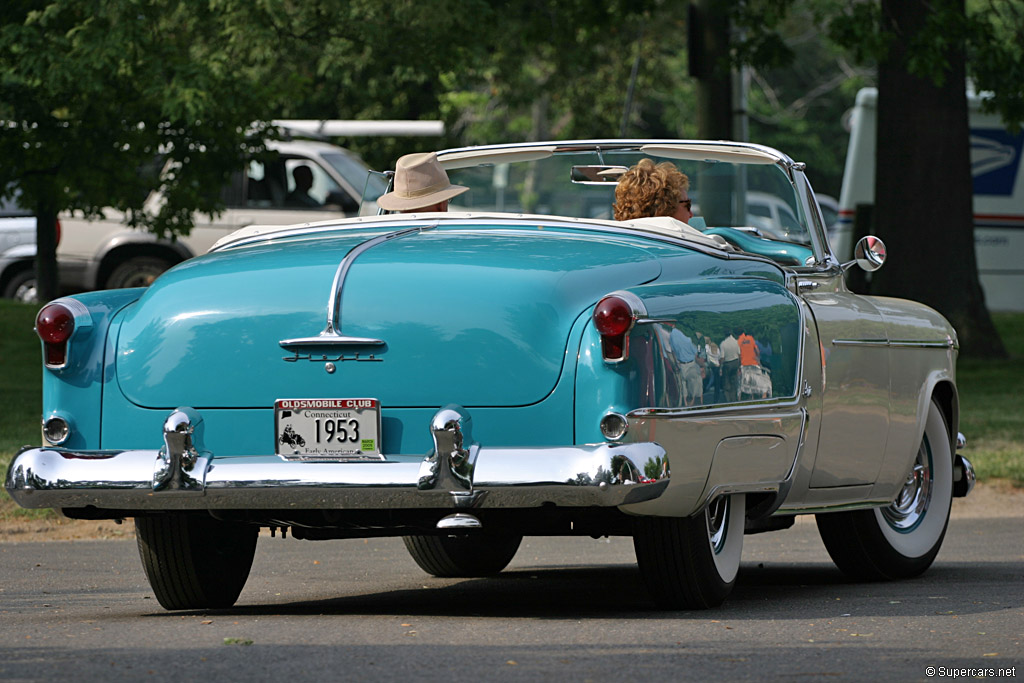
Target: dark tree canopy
{"type": "Point", "coordinates": [95, 95]}
{"type": "Point", "coordinates": [925, 51]}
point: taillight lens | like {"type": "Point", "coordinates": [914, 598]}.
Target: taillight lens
{"type": "Point", "coordinates": [58, 232]}
{"type": "Point", "coordinates": [54, 325]}
{"type": "Point", "coordinates": [613, 318]}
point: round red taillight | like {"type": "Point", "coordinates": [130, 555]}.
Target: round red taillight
{"type": "Point", "coordinates": [613, 316]}
{"type": "Point", "coordinates": [55, 323]}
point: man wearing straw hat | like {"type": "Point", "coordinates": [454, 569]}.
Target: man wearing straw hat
{"type": "Point", "coordinates": [420, 185]}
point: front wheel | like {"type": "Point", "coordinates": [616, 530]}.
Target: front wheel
{"type": "Point", "coordinates": [22, 287]}
{"type": "Point", "coordinates": [195, 562]}
{"type": "Point", "coordinates": [692, 562]}
{"type": "Point", "coordinates": [901, 540]}
{"type": "Point", "coordinates": [472, 555]}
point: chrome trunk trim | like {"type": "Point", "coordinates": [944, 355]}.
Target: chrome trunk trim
{"type": "Point", "coordinates": [331, 335]}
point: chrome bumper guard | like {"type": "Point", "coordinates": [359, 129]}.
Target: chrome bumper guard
{"type": "Point", "coordinates": [458, 474]}
{"type": "Point", "coordinates": [963, 470]}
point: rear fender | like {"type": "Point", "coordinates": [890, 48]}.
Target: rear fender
{"type": "Point", "coordinates": [718, 443]}
{"type": "Point", "coordinates": [654, 375]}
{"type": "Point", "coordinates": [75, 391]}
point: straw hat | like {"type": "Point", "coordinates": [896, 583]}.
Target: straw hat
{"type": "Point", "coordinates": [419, 182]}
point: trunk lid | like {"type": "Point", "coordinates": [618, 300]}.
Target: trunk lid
{"type": "Point", "coordinates": [481, 317]}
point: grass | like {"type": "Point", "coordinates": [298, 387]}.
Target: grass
{"type": "Point", "coordinates": [21, 392]}
{"type": "Point", "coordinates": [991, 400]}
{"type": "Point", "coordinates": [992, 406]}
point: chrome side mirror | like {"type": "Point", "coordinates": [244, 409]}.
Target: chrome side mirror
{"type": "Point", "coordinates": [869, 254]}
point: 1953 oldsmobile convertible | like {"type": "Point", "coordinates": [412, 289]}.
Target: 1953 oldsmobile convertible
{"type": "Point", "coordinates": [520, 365]}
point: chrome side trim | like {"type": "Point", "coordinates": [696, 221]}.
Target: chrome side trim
{"type": "Point", "coordinates": [911, 344]}
{"type": "Point", "coordinates": [717, 409]}
{"type": "Point", "coordinates": [896, 343]}
{"type": "Point", "coordinates": [331, 334]}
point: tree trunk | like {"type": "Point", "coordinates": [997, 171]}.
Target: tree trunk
{"type": "Point", "coordinates": [47, 279]}
{"type": "Point", "coordinates": [923, 185]}
{"type": "Point", "coordinates": [710, 65]}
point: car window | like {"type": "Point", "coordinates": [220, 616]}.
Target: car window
{"type": "Point", "coordinates": [320, 190]}
{"type": "Point", "coordinates": [273, 185]}
{"type": "Point", "coordinates": [357, 174]}
{"type": "Point", "coordinates": [789, 221]}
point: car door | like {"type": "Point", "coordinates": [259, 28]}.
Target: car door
{"type": "Point", "coordinates": [855, 365]}
{"type": "Point", "coordinates": [854, 352]}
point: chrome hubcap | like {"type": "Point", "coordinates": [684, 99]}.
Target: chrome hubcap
{"type": "Point", "coordinates": [26, 293]}
{"type": "Point", "coordinates": [717, 518]}
{"type": "Point", "coordinates": [910, 506]}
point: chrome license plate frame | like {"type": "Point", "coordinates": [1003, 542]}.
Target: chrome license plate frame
{"type": "Point", "coordinates": [327, 429]}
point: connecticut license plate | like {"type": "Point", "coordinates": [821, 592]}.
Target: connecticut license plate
{"type": "Point", "coordinates": [328, 428]}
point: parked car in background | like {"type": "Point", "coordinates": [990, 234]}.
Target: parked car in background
{"type": "Point", "coordinates": [108, 254]}
{"type": "Point", "coordinates": [511, 367]}
{"type": "Point", "coordinates": [18, 251]}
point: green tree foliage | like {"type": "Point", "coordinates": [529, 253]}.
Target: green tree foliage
{"type": "Point", "coordinates": [799, 106]}
{"type": "Point", "coordinates": [92, 91]}
{"type": "Point", "coordinates": [360, 59]}
{"type": "Point", "coordinates": [988, 33]}
{"type": "Point", "coordinates": [925, 51]}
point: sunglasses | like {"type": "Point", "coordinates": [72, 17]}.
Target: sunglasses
{"type": "Point", "coordinates": [686, 202]}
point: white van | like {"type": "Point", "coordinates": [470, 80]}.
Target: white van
{"type": "Point", "coordinates": [996, 164]}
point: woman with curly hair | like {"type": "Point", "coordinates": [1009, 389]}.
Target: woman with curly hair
{"type": "Point", "coordinates": [648, 190]}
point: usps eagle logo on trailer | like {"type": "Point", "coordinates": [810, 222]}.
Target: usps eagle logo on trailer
{"type": "Point", "coordinates": [995, 160]}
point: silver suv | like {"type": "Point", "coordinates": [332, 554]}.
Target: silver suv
{"type": "Point", "coordinates": [308, 181]}
{"type": "Point", "coordinates": [18, 252]}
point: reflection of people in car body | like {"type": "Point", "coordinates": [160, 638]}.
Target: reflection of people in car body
{"type": "Point", "coordinates": [730, 367]}
{"type": "Point", "coordinates": [686, 354]}
{"type": "Point", "coordinates": [712, 369]}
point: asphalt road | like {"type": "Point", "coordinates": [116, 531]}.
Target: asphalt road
{"type": "Point", "coordinates": [565, 610]}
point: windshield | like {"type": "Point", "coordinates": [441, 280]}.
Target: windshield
{"type": "Point", "coordinates": [756, 198]}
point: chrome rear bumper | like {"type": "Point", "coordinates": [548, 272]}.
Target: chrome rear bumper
{"type": "Point", "coordinates": [458, 474]}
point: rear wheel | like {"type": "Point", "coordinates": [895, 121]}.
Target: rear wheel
{"type": "Point", "coordinates": [901, 540]}
{"type": "Point", "coordinates": [195, 562]}
{"type": "Point", "coordinates": [137, 271]}
{"type": "Point", "coordinates": [463, 556]}
{"type": "Point", "coordinates": [692, 562]}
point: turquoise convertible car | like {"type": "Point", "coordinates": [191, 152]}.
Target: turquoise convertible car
{"type": "Point", "coordinates": [520, 365]}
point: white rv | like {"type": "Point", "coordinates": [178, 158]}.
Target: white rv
{"type": "Point", "coordinates": [996, 164]}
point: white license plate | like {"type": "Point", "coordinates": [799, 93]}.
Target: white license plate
{"type": "Point", "coordinates": [328, 428]}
